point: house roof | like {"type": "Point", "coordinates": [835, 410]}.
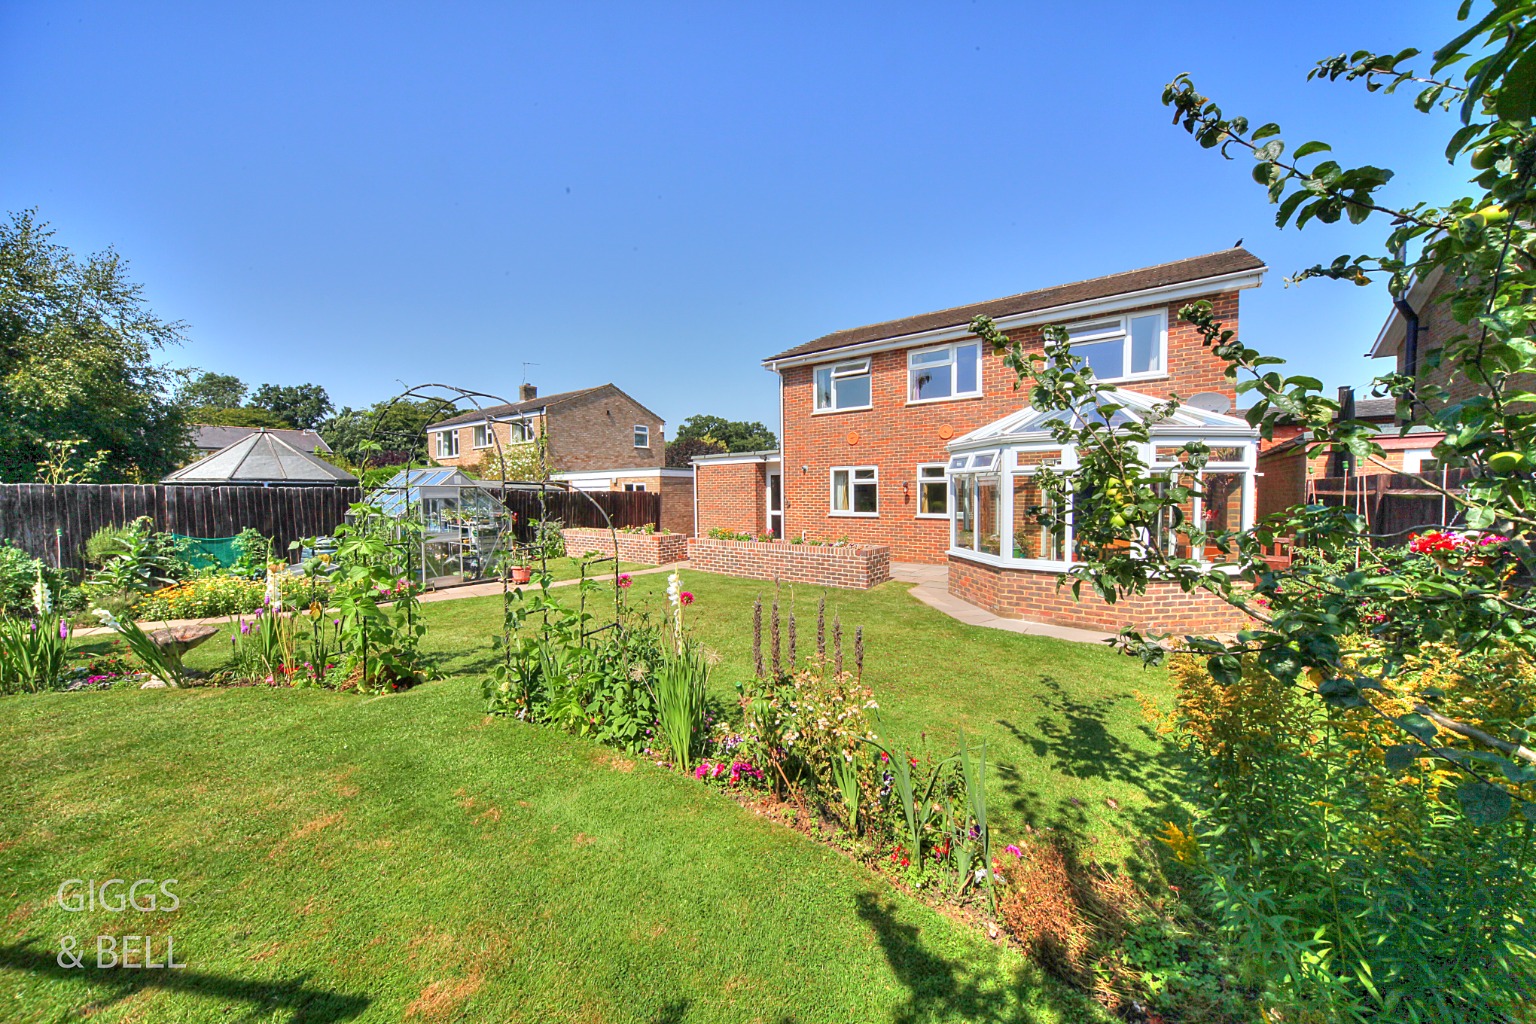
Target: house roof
{"type": "Point", "coordinates": [497, 412]}
{"type": "Point", "coordinates": [260, 458]}
{"type": "Point", "coordinates": [211, 437]}
{"type": "Point", "coordinates": [1365, 409]}
{"type": "Point", "coordinates": [1117, 408]}
{"type": "Point", "coordinates": [1420, 293]}
{"type": "Point", "coordinates": [1185, 271]}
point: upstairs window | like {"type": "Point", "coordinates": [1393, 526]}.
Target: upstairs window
{"type": "Point", "coordinates": [483, 438]}
{"type": "Point", "coordinates": [855, 491]}
{"type": "Point", "coordinates": [950, 371]}
{"type": "Point", "coordinates": [447, 444]}
{"type": "Point", "coordinates": [642, 436]}
{"type": "Point", "coordinates": [843, 386]}
{"type": "Point", "coordinates": [520, 431]}
{"type": "Point", "coordinates": [1123, 347]}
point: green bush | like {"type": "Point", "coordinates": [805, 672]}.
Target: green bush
{"type": "Point", "coordinates": [19, 573]}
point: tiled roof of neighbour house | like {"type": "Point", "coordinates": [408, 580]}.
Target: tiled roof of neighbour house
{"type": "Point", "coordinates": [260, 458]}
{"type": "Point", "coordinates": [514, 408]}
{"type": "Point", "coordinates": [211, 437]}
{"type": "Point", "coordinates": [1365, 409]}
{"type": "Point", "coordinates": [1185, 271]}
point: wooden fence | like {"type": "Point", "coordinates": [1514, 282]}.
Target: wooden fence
{"type": "Point", "coordinates": [1393, 504]}
{"type": "Point", "coordinates": [572, 508]}
{"type": "Point", "coordinates": [53, 522]}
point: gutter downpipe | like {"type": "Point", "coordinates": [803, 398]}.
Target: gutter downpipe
{"type": "Point", "coordinates": [1410, 341]}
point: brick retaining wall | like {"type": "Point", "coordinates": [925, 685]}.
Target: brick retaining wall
{"type": "Point", "coordinates": [1032, 594]}
{"type": "Point", "coordinates": [852, 567]}
{"type": "Point", "coordinates": [645, 548]}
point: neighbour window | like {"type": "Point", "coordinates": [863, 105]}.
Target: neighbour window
{"type": "Point", "coordinates": [483, 438]}
{"type": "Point", "coordinates": [855, 491]}
{"type": "Point", "coordinates": [634, 487]}
{"type": "Point", "coordinates": [951, 371]}
{"type": "Point", "coordinates": [1420, 460]}
{"type": "Point", "coordinates": [642, 436]}
{"type": "Point", "coordinates": [932, 490]}
{"type": "Point", "coordinates": [520, 431]}
{"type": "Point", "coordinates": [843, 385]}
{"type": "Point", "coordinates": [1121, 347]}
{"type": "Point", "coordinates": [447, 444]}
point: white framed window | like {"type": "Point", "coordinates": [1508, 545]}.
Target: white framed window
{"type": "Point", "coordinates": [634, 487]}
{"type": "Point", "coordinates": [843, 386]}
{"type": "Point", "coordinates": [932, 491]}
{"type": "Point", "coordinates": [1123, 347]}
{"type": "Point", "coordinates": [447, 444]}
{"type": "Point", "coordinates": [483, 437]}
{"type": "Point", "coordinates": [948, 371]}
{"type": "Point", "coordinates": [642, 436]}
{"type": "Point", "coordinates": [520, 431]}
{"type": "Point", "coordinates": [855, 491]}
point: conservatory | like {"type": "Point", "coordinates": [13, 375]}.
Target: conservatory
{"type": "Point", "coordinates": [1002, 557]}
{"type": "Point", "coordinates": [465, 530]}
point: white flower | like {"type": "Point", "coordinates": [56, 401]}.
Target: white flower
{"type": "Point", "coordinates": [274, 594]}
{"type": "Point", "coordinates": [42, 597]}
{"type": "Point", "coordinates": [107, 619]}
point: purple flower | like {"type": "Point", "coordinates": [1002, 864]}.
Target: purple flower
{"type": "Point", "coordinates": [63, 630]}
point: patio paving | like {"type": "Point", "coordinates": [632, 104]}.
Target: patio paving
{"type": "Point", "coordinates": [933, 590]}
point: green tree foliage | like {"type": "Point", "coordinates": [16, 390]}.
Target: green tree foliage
{"type": "Point", "coordinates": [77, 347]}
{"type": "Point", "coordinates": [245, 416]}
{"type": "Point", "coordinates": [303, 406]}
{"type": "Point", "coordinates": [682, 453]}
{"type": "Point", "coordinates": [397, 430]}
{"type": "Point", "coordinates": [214, 391]}
{"type": "Point", "coordinates": [735, 435]}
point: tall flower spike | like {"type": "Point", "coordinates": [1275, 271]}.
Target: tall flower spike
{"type": "Point", "coordinates": [821, 628]}
{"type": "Point", "coordinates": [773, 637]}
{"type": "Point", "coordinates": [858, 651]}
{"type": "Point", "coordinates": [793, 661]}
{"type": "Point", "coordinates": [757, 637]}
{"type": "Point", "coordinates": [837, 645]}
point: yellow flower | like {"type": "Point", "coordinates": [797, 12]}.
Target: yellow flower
{"type": "Point", "coordinates": [1181, 844]}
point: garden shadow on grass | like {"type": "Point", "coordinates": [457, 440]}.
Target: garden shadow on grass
{"type": "Point", "coordinates": [308, 1005]}
{"type": "Point", "coordinates": [938, 989]}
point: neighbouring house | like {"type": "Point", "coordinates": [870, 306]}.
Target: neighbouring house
{"type": "Point", "coordinates": [262, 457]}
{"type": "Point", "coordinates": [209, 438]}
{"type": "Point", "coordinates": [596, 438]}
{"type": "Point", "coordinates": [911, 434]}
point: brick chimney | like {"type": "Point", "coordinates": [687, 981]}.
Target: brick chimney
{"type": "Point", "coordinates": [527, 393]}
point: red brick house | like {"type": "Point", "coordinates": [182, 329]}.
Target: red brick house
{"type": "Point", "coordinates": [909, 433]}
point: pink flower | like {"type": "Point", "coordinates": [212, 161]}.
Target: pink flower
{"type": "Point", "coordinates": [686, 598]}
{"type": "Point", "coordinates": [625, 580]}
{"type": "Point", "coordinates": [1010, 848]}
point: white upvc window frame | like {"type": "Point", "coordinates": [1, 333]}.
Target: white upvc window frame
{"type": "Point", "coordinates": [448, 439]}
{"type": "Point", "coordinates": [942, 479]}
{"type": "Point", "coordinates": [642, 429]}
{"type": "Point", "coordinates": [635, 487]}
{"type": "Point", "coordinates": [1247, 466]}
{"type": "Point", "coordinates": [485, 430]}
{"type": "Point", "coordinates": [519, 431]}
{"type": "Point", "coordinates": [853, 481]}
{"type": "Point", "coordinates": [916, 362]}
{"type": "Point", "coordinates": [847, 368]}
{"type": "Point", "coordinates": [1119, 326]}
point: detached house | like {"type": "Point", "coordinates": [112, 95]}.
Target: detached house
{"type": "Point", "coordinates": [596, 439]}
{"type": "Point", "coordinates": [911, 434]}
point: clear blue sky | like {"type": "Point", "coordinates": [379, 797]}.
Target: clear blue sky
{"type": "Point", "coordinates": [661, 195]}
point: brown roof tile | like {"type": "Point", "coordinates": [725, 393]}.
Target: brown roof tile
{"type": "Point", "coordinates": [1195, 268]}
{"type": "Point", "coordinates": [513, 408]}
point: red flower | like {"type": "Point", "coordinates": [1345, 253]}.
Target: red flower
{"type": "Point", "coordinates": [686, 598]}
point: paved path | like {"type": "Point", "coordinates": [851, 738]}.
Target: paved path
{"type": "Point", "coordinates": [487, 589]}
{"type": "Point", "coordinates": [933, 590]}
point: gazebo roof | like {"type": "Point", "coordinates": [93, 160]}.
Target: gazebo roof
{"type": "Point", "coordinates": [1118, 408]}
{"type": "Point", "coordinates": [261, 458]}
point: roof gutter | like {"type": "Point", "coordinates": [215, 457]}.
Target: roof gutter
{"type": "Point", "coordinates": [1088, 307]}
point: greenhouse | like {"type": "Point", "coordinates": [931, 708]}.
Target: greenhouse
{"type": "Point", "coordinates": [465, 530]}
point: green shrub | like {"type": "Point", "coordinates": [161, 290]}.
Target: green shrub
{"type": "Point", "coordinates": [105, 544]}
{"type": "Point", "coordinates": [19, 573]}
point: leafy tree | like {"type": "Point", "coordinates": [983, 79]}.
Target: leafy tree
{"type": "Point", "coordinates": [396, 431]}
{"type": "Point", "coordinates": [299, 405]}
{"type": "Point", "coordinates": [735, 435]}
{"type": "Point", "coordinates": [1409, 791]}
{"type": "Point", "coordinates": [214, 391]}
{"type": "Point", "coordinates": [682, 453]}
{"type": "Point", "coordinates": [77, 347]}
{"type": "Point", "coordinates": [238, 417]}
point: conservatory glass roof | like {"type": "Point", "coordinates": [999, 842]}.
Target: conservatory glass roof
{"type": "Point", "coordinates": [1117, 408]}
{"type": "Point", "coordinates": [407, 487]}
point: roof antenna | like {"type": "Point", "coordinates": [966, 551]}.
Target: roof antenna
{"type": "Point", "coordinates": [525, 371]}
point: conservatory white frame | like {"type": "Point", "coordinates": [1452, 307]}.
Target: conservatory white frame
{"type": "Point", "coordinates": [992, 453]}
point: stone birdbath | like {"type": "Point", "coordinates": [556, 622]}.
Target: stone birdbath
{"type": "Point", "coordinates": [176, 641]}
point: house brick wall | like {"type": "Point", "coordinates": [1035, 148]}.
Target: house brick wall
{"type": "Point", "coordinates": [677, 504]}
{"type": "Point", "coordinates": [1033, 594]}
{"type": "Point", "coordinates": [850, 567]}
{"type": "Point", "coordinates": [469, 456]}
{"type": "Point", "coordinates": [732, 496]}
{"type": "Point", "coordinates": [595, 431]}
{"type": "Point", "coordinates": [897, 437]}
{"type": "Point", "coordinates": [645, 548]}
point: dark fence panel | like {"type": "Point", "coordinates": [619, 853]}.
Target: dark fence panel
{"type": "Point", "coordinates": [53, 522]}
{"type": "Point", "coordinates": [571, 508]}
{"type": "Point", "coordinates": [1394, 504]}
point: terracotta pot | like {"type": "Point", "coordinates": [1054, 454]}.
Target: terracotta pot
{"type": "Point", "coordinates": [522, 573]}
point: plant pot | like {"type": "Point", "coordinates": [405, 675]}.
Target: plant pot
{"type": "Point", "coordinates": [522, 573]}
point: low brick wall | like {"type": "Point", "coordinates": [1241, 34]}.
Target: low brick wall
{"type": "Point", "coordinates": [852, 567]}
{"type": "Point", "coordinates": [645, 548]}
{"type": "Point", "coordinates": [1032, 594]}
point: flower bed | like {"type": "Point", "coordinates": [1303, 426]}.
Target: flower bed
{"type": "Point", "coordinates": [848, 566]}
{"type": "Point", "coordinates": [644, 548]}
{"type": "Point", "coordinates": [206, 596]}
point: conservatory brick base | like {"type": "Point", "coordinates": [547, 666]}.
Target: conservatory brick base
{"type": "Point", "coordinates": [850, 566]}
{"type": "Point", "coordinates": [1032, 594]}
{"type": "Point", "coordinates": [644, 548]}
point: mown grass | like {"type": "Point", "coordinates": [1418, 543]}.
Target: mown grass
{"type": "Point", "coordinates": [404, 857]}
